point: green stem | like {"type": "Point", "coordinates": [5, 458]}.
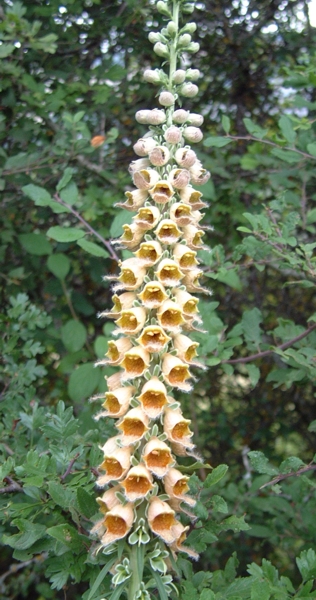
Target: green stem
{"type": "Point", "coordinates": [137, 573]}
{"type": "Point", "coordinates": [173, 47]}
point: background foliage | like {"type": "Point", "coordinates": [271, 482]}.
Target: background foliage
{"type": "Point", "coordinates": [70, 72]}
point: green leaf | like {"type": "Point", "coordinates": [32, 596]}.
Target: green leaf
{"type": "Point", "coordinates": [250, 323]}
{"type": "Point", "coordinates": [68, 173]}
{"type": "Point", "coordinates": [83, 381]}
{"type": "Point", "coordinates": [255, 129]}
{"type": "Point", "coordinates": [160, 586]}
{"type": "Point", "coordinates": [254, 374]}
{"type": "Point", "coordinates": [216, 141]}
{"type": "Point", "coordinates": [287, 129]}
{"type": "Point", "coordinates": [207, 595]}
{"type": "Point", "coordinates": [63, 234]}
{"type": "Point", "coordinates": [59, 265]}
{"type": "Point", "coordinates": [235, 523]}
{"type": "Point", "coordinates": [69, 193]}
{"type": "Point", "coordinates": [101, 576]}
{"type": "Point", "coordinates": [217, 474]}
{"type": "Point", "coordinates": [260, 590]}
{"type": "Point", "coordinates": [229, 277]}
{"type": "Point", "coordinates": [87, 503]}
{"type": "Point", "coordinates": [226, 123]}
{"type": "Point", "coordinates": [287, 155]}
{"type": "Point", "coordinates": [38, 194]}
{"type": "Point", "coordinates": [261, 464]}
{"type": "Point", "coordinates": [29, 533]}
{"type": "Point", "coordinates": [35, 243]}
{"type": "Point", "coordinates": [6, 50]}
{"type": "Point", "coordinates": [92, 248]}
{"type": "Point", "coordinates": [73, 335]}
{"type": "Point", "coordinates": [312, 148]}
{"type": "Point", "coordinates": [306, 563]}
{"type": "Point", "coordinates": [66, 534]}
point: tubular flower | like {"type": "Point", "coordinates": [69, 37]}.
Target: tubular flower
{"type": "Point", "coordinates": [154, 316]}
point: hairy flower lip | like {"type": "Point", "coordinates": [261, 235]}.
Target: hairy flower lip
{"type": "Point", "coordinates": [176, 486]}
{"type": "Point", "coordinates": [187, 303]}
{"type": "Point", "coordinates": [153, 338]}
{"type": "Point", "coordinates": [149, 253]}
{"type": "Point", "coordinates": [133, 425]}
{"type": "Point", "coordinates": [123, 301]}
{"type": "Point", "coordinates": [116, 352]}
{"type": "Point", "coordinates": [116, 461]}
{"type": "Point", "coordinates": [161, 192]}
{"type": "Point", "coordinates": [193, 236]}
{"type": "Point", "coordinates": [168, 273]}
{"type": "Point", "coordinates": [132, 274]}
{"type": "Point", "coordinates": [176, 428]}
{"type": "Point", "coordinates": [118, 522]}
{"type": "Point", "coordinates": [138, 483]}
{"type": "Point", "coordinates": [177, 546]}
{"type": "Point", "coordinates": [147, 217]}
{"type": "Point", "coordinates": [170, 316]}
{"type": "Point", "coordinates": [116, 403]}
{"type": "Point", "coordinates": [153, 294]}
{"type": "Point", "coordinates": [192, 197]}
{"type": "Point", "coordinates": [157, 457]}
{"type": "Point", "coordinates": [185, 257]}
{"type": "Point", "coordinates": [161, 519]}
{"type": "Point", "coordinates": [131, 320]}
{"type": "Point", "coordinates": [181, 214]}
{"type": "Point", "coordinates": [135, 362]}
{"type": "Point", "coordinates": [168, 232]}
{"type": "Point", "coordinates": [131, 237]}
{"type": "Point", "coordinates": [153, 397]}
{"type": "Point", "coordinates": [176, 372]}
{"type": "Point", "coordinates": [145, 178]}
{"type": "Point", "coordinates": [134, 200]}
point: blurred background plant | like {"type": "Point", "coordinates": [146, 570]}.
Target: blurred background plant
{"type": "Point", "coordinates": [70, 85]}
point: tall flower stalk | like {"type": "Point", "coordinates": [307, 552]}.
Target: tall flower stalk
{"type": "Point", "coordinates": [155, 310]}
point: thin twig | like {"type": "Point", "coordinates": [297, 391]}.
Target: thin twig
{"type": "Point", "coordinates": [12, 487]}
{"type": "Point", "coordinates": [250, 138]}
{"type": "Point", "coordinates": [106, 243]}
{"type": "Point", "coordinates": [286, 475]}
{"type": "Point", "coordinates": [68, 470]}
{"type": "Point", "coordinates": [247, 359]}
{"type": "Point", "coordinates": [18, 566]}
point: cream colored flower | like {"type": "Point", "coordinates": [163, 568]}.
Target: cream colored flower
{"type": "Point", "coordinates": [168, 273]}
{"type": "Point", "coordinates": [168, 232]}
{"type": "Point", "coordinates": [118, 522]}
{"type": "Point", "coordinates": [181, 214]}
{"type": "Point", "coordinates": [193, 237]}
{"type": "Point", "coordinates": [186, 349]}
{"type": "Point", "coordinates": [176, 486]}
{"type": "Point", "coordinates": [161, 519]}
{"type": "Point", "coordinates": [179, 178]}
{"type": "Point", "coordinates": [108, 500]}
{"type": "Point", "coordinates": [188, 304]}
{"type": "Point", "coordinates": [157, 457]}
{"type": "Point", "coordinates": [170, 316]}
{"type": "Point", "coordinates": [147, 217]}
{"type": "Point", "coordinates": [135, 200]}
{"type": "Point", "coordinates": [116, 352]}
{"type": "Point", "coordinates": [153, 338]}
{"type": "Point", "coordinates": [153, 397]}
{"type": "Point", "coordinates": [153, 294]}
{"type": "Point", "coordinates": [123, 301]}
{"type": "Point", "coordinates": [131, 321]}
{"type": "Point", "coordinates": [192, 283]}
{"type": "Point", "coordinates": [116, 461]}
{"type": "Point", "coordinates": [116, 402]}
{"type": "Point", "coordinates": [133, 426]}
{"type": "Point", "coordinates": [176, 372]}
{"type": "Point", "coordinates": [161, 192]}
{"type": "Point", "coordinates": [137, 165]}
{"type": "Point", "coordinates": [135, 362]}
{"type": "Point", "coordinates": [137, 483]}
{"type": "Point", "coordinates": [149, 253]}
{"type": "Point", "coordinates": [114, 381]}
{"type": "Point", "coordinates": [185, 257]}
{"type": "Point", "coordinates": [159, 156]}
{"type": "Point", "coordinates": [192, 197]}
{"type": "Point", "coordinates": [185, 157]}
{"type": "Point", "coordinates": [131, 237]}
{"type": "Point", "coordinates": [145, 178]}
{"type": "Point", "coordinates": [144, 145]}
{"type": "Point", "coordinates": [176, 427]}
{"type": "Point", "coordinates": [177, 546]}
{"type": "Point", "coordinates": [132, 274]}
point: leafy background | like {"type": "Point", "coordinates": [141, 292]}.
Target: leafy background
{"type": "Point", "coordinates": [70, 72]}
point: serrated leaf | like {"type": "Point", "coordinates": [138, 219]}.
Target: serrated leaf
{"type": "Point", "coordinates": [87, 503]}
{"type": "Point", "coordinates": [29, 533]}
{"type": "Point", "coordinates": [73, 335]}
{"type": "Point", "coordinates": [66, 534]}
{"type": "Point", "coordinates": [92, 248]}
{"type": "Point", "coordinates": [59, 265]}
{"type": "Point", "coordinates": [260, 590]}
{"type": "Point", "coordinates": [250, 323]}
{"type": "Point", "coordinates": [261, 464]}
{"type": "Point", "coordinates": [63, 234]}
{"type": "Point", "coordinates": [235, 523]}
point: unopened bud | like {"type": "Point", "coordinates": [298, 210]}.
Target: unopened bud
{"type": "Point", "coordinates": [185, 157]}
{"type": "Point", "coordinates": [180, 116]}
{"type": "Point", "coordinates": [142, 116]}
{"type": "Point", "coordinates": [144, 146]}
{"type": "Point", "coordinates": [156, 117]}
{"type": "Point", "coordinates": [154, 37]}
{"type": "Point", "coordinates": [184, 40]}
{"type": "Point", "coordinates": [166, 98]}
{"type": "Point", "coordinates": [179, 76]}
{"type": "Point", "coordinates": [173, 135]}
{"type": "Point", "coordinates": [151, 76]}
{"type": "Point", "coordinates": [161, 50]}
{"type": "Point", "coordinates": [171, 29]}
{"type": "Point", "coordinates": [159, 156]}
{"type": "Point", "coordinates": [188, 8]}
{"type": "Point", "coordinates": [193, 47]}
{"type": "Point", "coordinates": [195, 119]}
{"type": "Point", "coordinates": [189, 90]}
{"type": "Point", "coordinates": [162, 7]}
{"type": "Point", "coordinates": [193, 74]}
{"type": "Point", "coordinates": [189, 28]}
{"type": "Point", "coordinates": [193, 134]}
{"type": "Point", "coordinates": [179, 178]}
